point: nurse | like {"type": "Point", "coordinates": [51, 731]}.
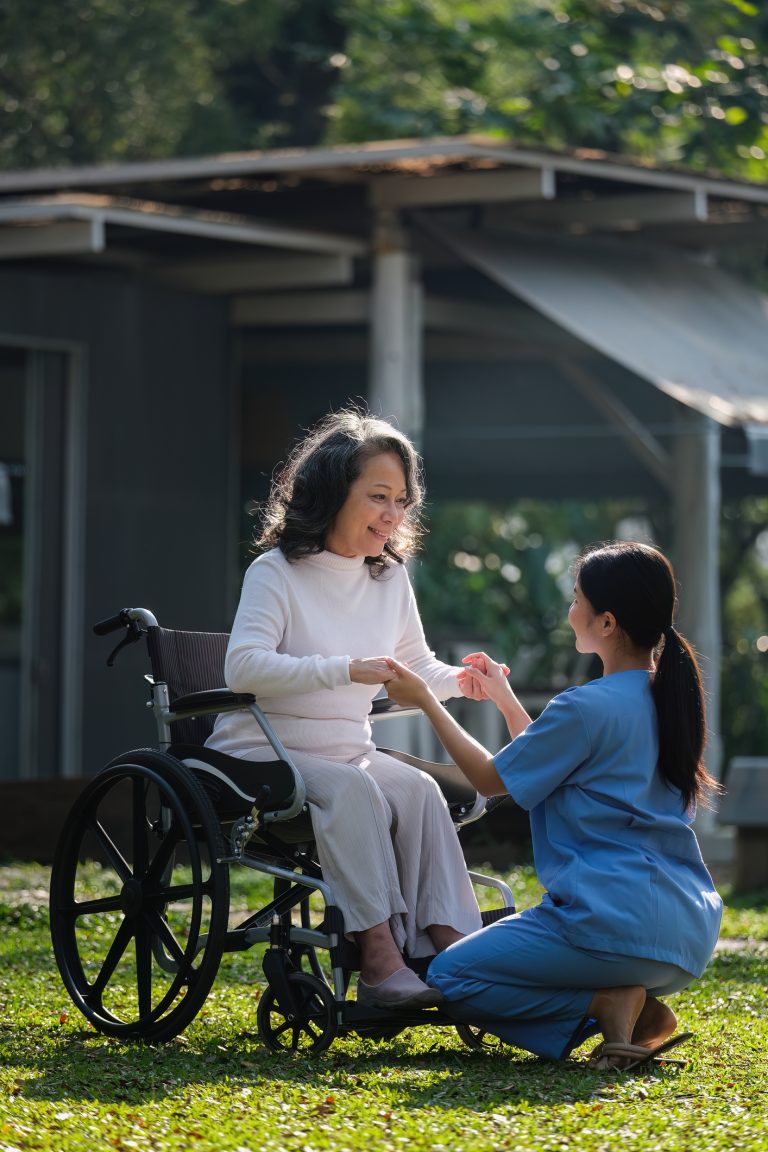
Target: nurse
{"type": "Point", "coordinates": [611, 773]}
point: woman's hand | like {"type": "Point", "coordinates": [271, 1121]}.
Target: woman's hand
{"type": "Point", "coordinates": [371, 670]}
{"type": "Point", "coordinates": [484, 679]}
{"type": "Point", "coordinates": [405, 687]}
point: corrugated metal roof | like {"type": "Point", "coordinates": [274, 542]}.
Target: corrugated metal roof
{"type": "Point", "coordinates": [692, 330]}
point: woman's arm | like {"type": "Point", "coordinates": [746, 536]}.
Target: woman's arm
{"type": "Point", "coordinates": [412, 648]}
{"type": "Point", "coordinates": [489, 681]}
{"type": "Point", "coordinates": [475, 761]}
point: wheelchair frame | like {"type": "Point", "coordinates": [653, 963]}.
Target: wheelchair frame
{"type": "Point", "coordinates": [168, 822]}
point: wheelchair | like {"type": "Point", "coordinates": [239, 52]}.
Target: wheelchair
{"type": "Point", "coordinates": [140, 881]}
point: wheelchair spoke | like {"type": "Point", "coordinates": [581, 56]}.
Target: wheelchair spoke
{"type": "Point", "coordinates": [115, 856]}
{"type": "Point", "coordinates": [140, 847]}
{"type": "Point", "coordinates": [162, 930]}
{"type": "Point", "coordinates": [112, 959]}
{"type": "Point", "coordinates": [144, 968]}
{"type": "Point", "coordinates": [162, 857]}
{"type": "Point", "coordinates": [88, 907]}
{"type": "Point", "coordinates": [177, 892]}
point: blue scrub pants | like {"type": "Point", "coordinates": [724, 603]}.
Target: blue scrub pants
{"type": "Point", "coordinates": [521, 981]}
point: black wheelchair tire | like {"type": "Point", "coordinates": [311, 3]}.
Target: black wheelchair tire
{"type": "Point", "coordinates": [172, 883]}
{"type": "Point", "coordinates": [311, 1030]}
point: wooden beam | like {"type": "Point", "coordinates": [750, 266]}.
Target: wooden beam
{"type": "Point", "coordinates": [608, 213]}
{"type": "Point", "coordinates": [512, 322]}
{"type": "Point", "coordinates": [463, 188]}
{"type": "Point", "coordinates": [256, 274]}
{"type": "Point", "coordinates": [300, 308]}
{"type": "Point", "coordinates": [52, 239]}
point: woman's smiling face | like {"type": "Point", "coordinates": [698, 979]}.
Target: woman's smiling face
{"type": "Point", "coordinates": [374, 507]}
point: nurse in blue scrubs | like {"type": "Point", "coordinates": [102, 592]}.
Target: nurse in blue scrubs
{"type": "Point", "coordinates": [611, 773]}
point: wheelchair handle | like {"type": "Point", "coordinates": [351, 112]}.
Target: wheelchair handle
{"type": "Point", "coordinates": [124, 619]}
{"type": "Point", "coordinates": [112, 623]}
{"type": "Point", "coordinates": [134, 620]}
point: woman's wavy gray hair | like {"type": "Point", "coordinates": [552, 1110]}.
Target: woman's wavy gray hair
{"type": "Point", "coordinates": [310, 489]}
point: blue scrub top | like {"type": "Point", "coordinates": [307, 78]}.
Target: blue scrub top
{"type": "Point", "coordinates": [612, 843]}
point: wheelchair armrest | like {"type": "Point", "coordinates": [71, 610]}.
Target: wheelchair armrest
{"type": "Point", "coordinates": [214, 700]}
{"type": "Point", "coordinates": [382, 707]}
{"type": "Point", "coordinates": [465, 802]}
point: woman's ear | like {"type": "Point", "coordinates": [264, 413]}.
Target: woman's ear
{"type": "Point", "coordinates": [609, 624]}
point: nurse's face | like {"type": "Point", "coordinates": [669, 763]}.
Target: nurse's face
{"type": "Point", "coordinates": [585, 622]}
{"type": "Point", "coordinates": [374, 508]}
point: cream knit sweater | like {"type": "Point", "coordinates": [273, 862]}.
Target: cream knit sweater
{"type": "Point", "coordinates": [297, 626]}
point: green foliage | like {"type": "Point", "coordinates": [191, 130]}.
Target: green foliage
{"type": "Point", "coordinates": [501, 576]}
{"type": "Point", "coordinates": [84, 80]}
{"type": "Point", "coordinates": [744, 576]}
{"type": "Point", "coordinates": [66, 1088]}
{"type": "Point", "coordinates": [95, 80]}
{"type": "Point", "coordinates": [668, 80]}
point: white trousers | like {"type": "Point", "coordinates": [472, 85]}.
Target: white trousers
{"type": "Point", "coordinates": [416, 878]}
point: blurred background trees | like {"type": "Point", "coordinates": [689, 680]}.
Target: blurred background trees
{"type": "Point", "coordinates": [678, 81]}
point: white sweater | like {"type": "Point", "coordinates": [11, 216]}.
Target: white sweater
{"type": "Point", "coordinates": [297, 626]}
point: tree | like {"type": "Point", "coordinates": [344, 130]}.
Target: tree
{"type": "Point", "coordinates": [681, 81]}
{"type": "Point", "coordinates": [85, 81]}
{"type": "Point", "coordinates": [668, 80]}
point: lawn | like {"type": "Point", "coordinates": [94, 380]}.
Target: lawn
{"type": "Point", "coordinates": [65, 1087]}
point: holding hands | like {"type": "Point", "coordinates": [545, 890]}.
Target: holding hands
{"type": "Point", "coordinates": [371, 670]}
{"type": "Point", "coordinates": [484, 679]}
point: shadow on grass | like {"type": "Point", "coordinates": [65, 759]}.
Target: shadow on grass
{"type": "Point", "coordinates": [83, 1066]}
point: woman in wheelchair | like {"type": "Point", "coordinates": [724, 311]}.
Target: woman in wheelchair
{"type": "Point", "coordinates": [322, 607]}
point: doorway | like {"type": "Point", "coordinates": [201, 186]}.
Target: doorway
{"type": "Point", "coordinates": [35, 512]}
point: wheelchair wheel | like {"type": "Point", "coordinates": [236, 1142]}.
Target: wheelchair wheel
{"type": "Point", "coordinates": [140, 898]}
{"type": "Point", "coordinates": [478, 1038]}
{"type": "Point", "coordinates": [308, 1030]}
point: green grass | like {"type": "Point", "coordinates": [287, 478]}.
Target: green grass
{"type": "Point", "coordinates": [65, 1087]}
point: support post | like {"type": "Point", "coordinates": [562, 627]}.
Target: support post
{"type": "Point", "coordinates": [697, 533]}
{"type": "Point", "coordinates": [396, 385]}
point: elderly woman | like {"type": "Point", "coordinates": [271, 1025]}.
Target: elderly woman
{"type": "Point", "coordinates": [323, 606]}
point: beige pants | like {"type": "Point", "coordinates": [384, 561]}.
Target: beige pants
{"type": "Point", "coordinates": [414, 880]}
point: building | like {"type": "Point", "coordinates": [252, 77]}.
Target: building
{"type": "Point", "coordinates": [558, 323]}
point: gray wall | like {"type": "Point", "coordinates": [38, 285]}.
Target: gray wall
{"type": "Point", "coordinates": [159, 498]}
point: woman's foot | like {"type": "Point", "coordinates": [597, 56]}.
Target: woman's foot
{"type": "Point", "coordinates": [380, 957]}
{"type": "Point", "coordinates": [654, 1024]}
{"type": "Point", "coordinates": [403, 989]}
{"type": "Point", "coordinates": [443, 935]}
{"type": "Point", "coordinates": [617, 1011]}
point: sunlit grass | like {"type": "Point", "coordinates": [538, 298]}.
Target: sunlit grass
{"type": "Point", "coordinates": [65, 1087]}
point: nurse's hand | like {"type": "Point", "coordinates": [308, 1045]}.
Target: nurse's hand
{"type": "Point", "coordinates": [371, 670]}
{"type": "Point", "coordinates": [406, 688]}
{"type": "Point", "coordinates": [484, 679]}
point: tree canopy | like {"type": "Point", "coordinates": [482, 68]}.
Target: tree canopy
{"type": "Point", "coordinates": [677, 81]}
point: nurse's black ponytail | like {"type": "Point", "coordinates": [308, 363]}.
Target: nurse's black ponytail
{"type": "Point", "coordinates": [637, 585]}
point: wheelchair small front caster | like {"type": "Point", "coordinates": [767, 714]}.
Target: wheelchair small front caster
{"type": "Point", "coordinates": [310, 1028]}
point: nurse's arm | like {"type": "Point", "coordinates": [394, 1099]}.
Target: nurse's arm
{"type": "Point", "coordinates": [473, 759]}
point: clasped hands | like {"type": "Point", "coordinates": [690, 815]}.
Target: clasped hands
{"type": "Point", "coordinates": [481, 678]}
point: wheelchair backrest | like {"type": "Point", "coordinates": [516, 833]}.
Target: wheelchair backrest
{"type": "Point", "coordinates": [188, 662]}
